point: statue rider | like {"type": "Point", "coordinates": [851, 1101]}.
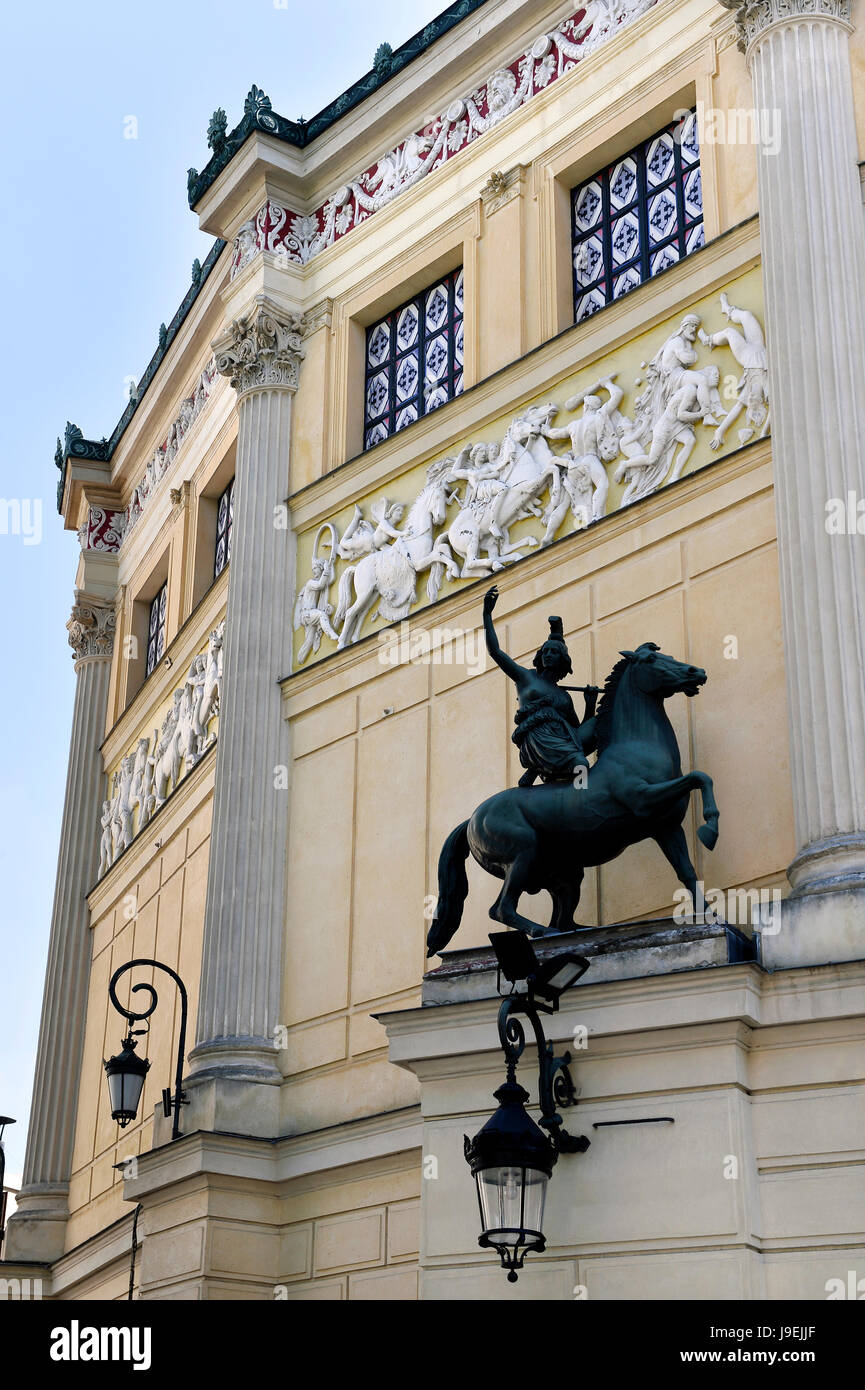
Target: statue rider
{"type": "Point", "coordinates": [552, 741]}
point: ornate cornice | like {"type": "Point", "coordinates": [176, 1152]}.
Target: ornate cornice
{"type": "Point", "coordinates": [91, 629]}
{"type": "Point", "coordinates": [258, 112]}
{"type": "Point", "coordinates": [262, 350]}
{"type": "Point", "coordinates": [550, 56]}
{"type": "Point", "coordinates": [754, 17]}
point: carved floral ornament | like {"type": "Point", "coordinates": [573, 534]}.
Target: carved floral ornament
{"type": "Point", "coordinates": [459, 523]}
{"type": "Point", "coordinates": [156, 766]}
{"type": "Point", "coordinates": [754, 17]}
{"type": "Point", "coordinates": [261, 350]}
{"type": "Point", "coordinates": [298, 237]}
{"type": "Point", "coordinates": [91, 630]}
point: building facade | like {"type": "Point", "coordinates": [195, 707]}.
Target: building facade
{"type": "Point", "coordinates": [567, 299]}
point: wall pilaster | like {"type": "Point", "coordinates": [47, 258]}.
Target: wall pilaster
{"type": "Point", "coordinates": [814, 273]}
{"type": "Point", "coordinates": [244, 921]}
{"type": "Point", "coordinates": [37, 1229]}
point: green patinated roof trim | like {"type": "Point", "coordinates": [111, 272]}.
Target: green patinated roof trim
{"type": "Point", "coordinates": [258, 114]}
{"type": "Point", "coordinates": [101, 450]}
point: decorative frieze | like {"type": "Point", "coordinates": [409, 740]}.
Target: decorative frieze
{"type": "Point", "coordinates": [262, 349]}
{"type": "Point", "coordinates": [190, 409]}
{"type": "Point", "coordinates": [754, 17]}
{"type": "Point", "coordinates": [458, 525]}
{"type": "Point", "coordinates": [91, 630]}
{"type": "Point", "coordinates": [300, 236]}
{"type": "Point", "coordinates": [105, 530]}
{"type": "Point", "coordinates": [156, 766]}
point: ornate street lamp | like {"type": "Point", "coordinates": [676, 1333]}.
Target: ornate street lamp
{"type": "Point", "coordinates": [126, 1071]}
{"type": "Point", "coordinates": [4, 1121]}
{"type": "Point", "coordinates": [511, 1158]}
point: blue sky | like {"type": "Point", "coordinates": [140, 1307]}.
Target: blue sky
{"type": "Point", "coordinates": [97, 246]}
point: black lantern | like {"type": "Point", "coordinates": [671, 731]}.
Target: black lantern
{"type": "Point", "coordinates": [126, 1073]}
{"type": "Point", "coordinates": [511, 1161]}
{"type": "Point", "coordinates": [511, 1158]}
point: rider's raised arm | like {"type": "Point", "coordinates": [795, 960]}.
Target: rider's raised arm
{"type": "Point", "coordinates": [508, 665]}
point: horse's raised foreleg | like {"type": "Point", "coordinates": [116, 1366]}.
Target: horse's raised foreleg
{"type": "Point", "coordinates": [645, 798]}
{"type": "Point", "coordinates": [504, 909]}
{"type": "Point", "coordinates": [442, 553]}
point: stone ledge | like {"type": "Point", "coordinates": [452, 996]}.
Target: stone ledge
{"type": "Point", "coordinates": [629, 951]}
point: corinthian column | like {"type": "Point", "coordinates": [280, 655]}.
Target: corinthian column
{"type": "Point", "coordinates": [244, 916]}
{"type": "Point", "coordinates": [813, 251]}
{"type": "Point", "coordinates": [36, 1230]}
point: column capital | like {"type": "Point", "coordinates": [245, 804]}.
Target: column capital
{"type": "Point", "coordinates": [262, 350]}
{"type": "Point", "coordinates": [754, 17]}
{"type": "Point", "coordinates": [91, 628]}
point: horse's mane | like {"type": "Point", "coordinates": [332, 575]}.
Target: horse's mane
{"type": "Point", "coordinates": [604, 717]}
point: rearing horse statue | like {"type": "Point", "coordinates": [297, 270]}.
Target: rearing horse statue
{"type": "Point", "coordinates": [544, 837]}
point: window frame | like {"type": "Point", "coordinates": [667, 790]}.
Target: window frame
{"type": "Point", "coordinates": [223, 531]}
{"type": "Point", "coordinates": [685, 226]}
{"type": "Point", "coordinates": [452, 380]}
{"type": "Point", "coordinates": [156, 631]}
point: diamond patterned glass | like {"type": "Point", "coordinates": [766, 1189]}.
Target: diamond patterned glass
{"type": "Point", "coordinates": [414, 359]}
{"type": "Point", "coordinates": [224, 519]}
{"type": "Point", "coordinates": [156, 629]}
{"type": "Point", "coordinates": [637, 217]}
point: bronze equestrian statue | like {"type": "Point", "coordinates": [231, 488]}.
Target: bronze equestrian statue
{"type": "Point", "coordinates": [544, 837]}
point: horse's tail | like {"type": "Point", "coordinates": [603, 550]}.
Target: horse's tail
{"type": "Point", "coordinates": [453, 888]}
{"type": "Point", "coordinates": [344, 595]}
{"type": "Point", "coordinates": [434, 582]}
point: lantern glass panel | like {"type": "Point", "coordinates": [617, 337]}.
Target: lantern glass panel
{"type": "Point", "coordinates": [512, 1202]}
{"type": "Point", "coordinates": [124, 1090]}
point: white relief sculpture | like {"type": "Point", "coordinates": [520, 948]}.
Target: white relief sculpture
{"type": "Point", "coordinates": [312, 611]}
{"type": "Point", "coordinates": [675, 396]}
{"type": "Point", "coordinates": [504, 93]}
{"type": "Point", "coordinates": [165, 758]}
{"type": "Point", "coordinates": [245, 245]}
{"type": "Point", "coordinates": [361, 537]}
{"type": "Point", "coordinates": [106, 844]}
{"type": "Point", "coordinates": [158, 464]}
{"type": "Point", "coordinates": [594, 438]}
{"type": "Point", "coordinates": [645, 474]}
{"type": "Point", "coordinates": [299, 237]}
{"type": "Point", "coordinates": [749, 349]}
{"type": "Point", "coordinates": [492, 486]}
{"type": "Point", "coordinates": [147, 776]}
{"type": "Point", "coordinates": [525, 468]}
{"type": "Point", "coordinates": [482, 466]}
{"type": "Point", "coordinates": [389, 574]}
{"type": "Point", "coordinates": [207, 707]}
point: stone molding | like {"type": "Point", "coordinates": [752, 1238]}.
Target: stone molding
{"type": "Point", "coordinates": [261, 350]}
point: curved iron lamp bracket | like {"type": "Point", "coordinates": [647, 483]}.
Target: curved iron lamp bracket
{"type": "Point", "coordinates": [555, 1085]}
{"type": "Point", "coordinates": [169, 1101]}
